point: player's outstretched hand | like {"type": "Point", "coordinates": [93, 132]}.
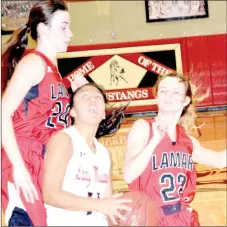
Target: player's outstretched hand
{"type": "Point", "coordinates": [78, 82]}
{"type": "Point", "coordinates": [22, 181]}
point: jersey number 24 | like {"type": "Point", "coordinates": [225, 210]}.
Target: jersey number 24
{"type": "Point", "coordinates": [60, 114]}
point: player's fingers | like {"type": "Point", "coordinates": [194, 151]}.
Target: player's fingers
{"type": "Point", "coordinates": [124, 200]}
{"type": "Point", "coordinates": [81, 79]}
{"type": "Point", "coordinates": [117, 195]}
{"type": "Point", "coordinates": [120, 216]}
{"type": "Point", "coordinates": [31, 195]}
{"type": "Point", "coordinates": [34, 191]}
{"type": "Point", "coordinates": [78, 77]}
{"type": "Point", "coordinates": [27, 189]}
{"type": "Point", "coordinates": [125, 208]}
{"type": "Point", "coordinates": [112, 218]}
{"type": "Point", "coordinates": [23, 188]}
{"type": "Point", "coordinates": [17, 189]}
{"type": "Point", "coordinates": [25, 193]}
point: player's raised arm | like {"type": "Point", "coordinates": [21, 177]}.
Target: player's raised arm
{"type": "Point", "coordinates": [139, 148]}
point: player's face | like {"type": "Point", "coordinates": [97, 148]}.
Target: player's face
{"type": "Point", "coordinates": [171, 95]}
{"type": "Point", "coordinates": [89, 105]}
{"type": "Point", "coordinates": [59, 31]}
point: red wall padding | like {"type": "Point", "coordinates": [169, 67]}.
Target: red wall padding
{"type": "Point", "coordinates": [218, 70]}
{"type": "Point", "coordinates": [198, 63]}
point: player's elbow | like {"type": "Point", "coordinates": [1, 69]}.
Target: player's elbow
{"type": "Point", "coordinates": [51, 199]}
{"type": "Point", "coordinates": [221, 165]}
{"type": "Point", "coordinates": [128, 179]}
{"type": "Point", "coordinates": [222, 158]}
{"type": "Point", "coordinates": [50, 196]}
{"type": "Point", "coordinates": [127, 176]}
{"type": "Point", "coordinates": [47, 197]}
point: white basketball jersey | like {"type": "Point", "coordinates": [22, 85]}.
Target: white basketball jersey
{"type": "Point", "coordinates": [86, 175]}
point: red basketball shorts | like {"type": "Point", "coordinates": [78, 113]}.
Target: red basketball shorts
{"type": "Point", "coordinates": [31, 152]}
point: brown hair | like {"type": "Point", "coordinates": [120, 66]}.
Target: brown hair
{"type": "Point", "coordinates": [15, 47]}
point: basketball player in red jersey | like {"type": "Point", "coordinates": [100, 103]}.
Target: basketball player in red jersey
{"type": "Point", "coordinates": [77, 186]}
{"type": "Point", "coordinates": [35, 104]}
{"type": "Point", "coordinates": [160, 155]}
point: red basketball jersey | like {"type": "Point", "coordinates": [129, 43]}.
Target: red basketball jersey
{"type": "Point", "coordinates": [45, 108]}
{"type": "Point", "coordinates": [170, 176]}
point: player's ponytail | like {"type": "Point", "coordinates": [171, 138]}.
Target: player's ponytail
{"type": "Point", "coordinates": [14, 49]}
{"type": "Point", "coordinates": [112, 122]}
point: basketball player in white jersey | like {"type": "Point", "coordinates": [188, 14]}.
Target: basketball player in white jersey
{"type": "Point", "coordinates": [77, 188]}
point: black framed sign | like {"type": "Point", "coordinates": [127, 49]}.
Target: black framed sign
{"type": "Point", "coordinates": [175, 10]}
{"type": "Point", "coordinates": [125, 73]}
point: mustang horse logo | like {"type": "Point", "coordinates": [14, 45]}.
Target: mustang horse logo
{"type": "Point", "coordinates": [116, 73]}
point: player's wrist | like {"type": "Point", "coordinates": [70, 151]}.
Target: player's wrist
{"type": "Point", "coordinates": [18, 164]}
{"type": "Point", "coordinates": [96, 205]}
{"type": "Point", "coordinates": [99, 205]}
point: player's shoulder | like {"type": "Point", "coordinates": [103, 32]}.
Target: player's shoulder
{"type": "Point", "coordinates": [60, 136]}
{"type": "Point", "coordinates": [101, 147]}
{"type": "Point", "coordinates": [31, 64]}
{"type": "Point", "coordinates": [140, 128]}
{"type": "Point", "coordinates": [60, 142]}
{"type": "Point", "coordinates": [71, 131]}
{"type": "Point", "coordinates": [141, 124]}
{"type": "Point", "coordinates": [31, 60]}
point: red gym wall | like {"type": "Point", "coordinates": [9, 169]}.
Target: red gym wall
{"type": "Point", "coordinates": [205, 56]}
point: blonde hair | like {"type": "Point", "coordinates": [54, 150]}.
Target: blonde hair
{"type": "Point", "coordinates": [188, 116]}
